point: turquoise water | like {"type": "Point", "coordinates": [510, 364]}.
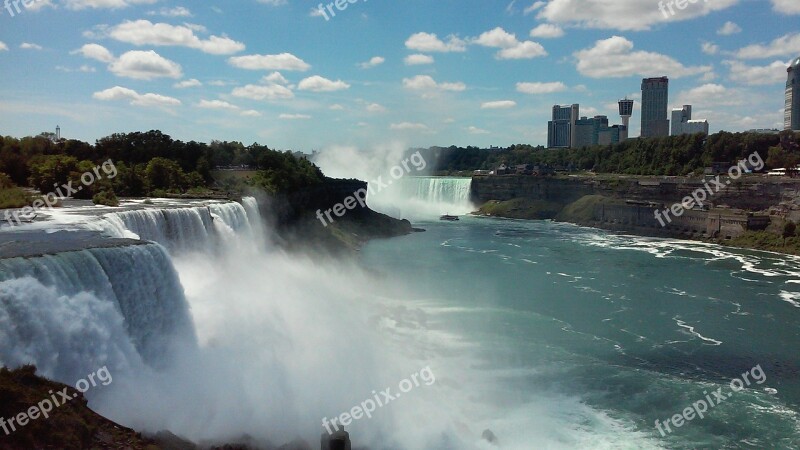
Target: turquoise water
{"type": "Point", "coordinates": [578, 338]}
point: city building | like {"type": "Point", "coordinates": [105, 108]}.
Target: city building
{"type": "Point", "coordinates": [682, 122]}
{"type": "Point", "coordinates": [626, 111]}
{"type": "Point", "coordinates": [655, 99]}
{"type": "Point", "coordinates": [595, 131]}
{"type": "Point", "coordinates": [561, 130]}
{"type": "Point", "coordinates": [791, 117]}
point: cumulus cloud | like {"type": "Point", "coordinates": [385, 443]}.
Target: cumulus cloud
{"type": "Point", "coordinates": [294, 117]}
{"type": "Point", "coordinates": [118, 93]}
{"type": "Point", "coordinates": [178, 11]}
{"type": "Point", "coordinates": [274, 87]}
{"type": "Point", "coordinates": [96, 52]}
{"type": "Point", "coordinates": [786, 6]}
{"type": "Point", "coordinates": [729, 28]}
{"type": "Point", "coordinates": [500, 104]}
{"type": "Point", "coordinates": [30, 46]}
{"type": "Point", "coordinates": [3, 47]}
{"type": "Point", "coordinates": [774, 73]}
{"type": "Point", "coordinates": [418, 59]}
{"type": "Point", "coordinates": [427, 83]}
{"type": "Point", "coordinates": [105, 4]}
{"type": "Point", "coordinates": [511, 47]}
{"type": "Point", "coordinates": [429, 43]}
{"type": "Point", "coordinates": [217, 104]}
{"type": "Point", "coordinates": [320, 84]}
{"type": "Point", "coordinates": [144, 32]}
{"type": "Point", "coordinates": [375, 108]}
{"type": "Point", "coordinates": [408, 126]}
{"type": "Point", "coordinates": [711, 95]}
{"type": "Point", "coordinates": [547, 30]}
{"type": "Point", "coordinates": [710, 48]}
{"type": "Point", "coordinates": [187, 84]}
{"type": "Point", "coordinates": [476, 130]}
{"type": "Point", "coordinates": [541, 88]}
{"type": "Point", "coordinates": [283, 61]}
{"type": "Point", "coordinates": [624, 15]}
{"type": "Point", "coordinates": [615, 58]}
{"type": "Point", "coordinates": [373, 62]}
{"type": "Point", "coordinates": [787, 45]}
{"type": "Point", "coordinates": [141, 65]}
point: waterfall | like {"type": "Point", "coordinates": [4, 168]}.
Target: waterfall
{"type": "Point", "coordinates": [188, 228]}
{"type": "Point", "coordinates": [423, 198]}
{"type": "Point", "coordinates": [67, 312]}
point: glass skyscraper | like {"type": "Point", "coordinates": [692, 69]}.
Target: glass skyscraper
{"type": "Point", "coordinates": [655, 100]}
{"type": "Point", "coordinates": [791, 117]}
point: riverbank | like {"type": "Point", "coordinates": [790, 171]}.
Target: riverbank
{"type": "Point", "coordinates": [750, 212]}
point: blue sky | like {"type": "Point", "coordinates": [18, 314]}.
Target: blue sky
{"type": "Point", "coordinates": [411, 73]}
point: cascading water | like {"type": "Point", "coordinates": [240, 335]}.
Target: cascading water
{"type": "Point", "coordinates": [115, 306]}
{"type": "Point", "coordinates": [420, 198]}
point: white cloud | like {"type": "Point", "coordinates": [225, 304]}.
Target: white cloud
{"type": "Point", "coordinates": [787, 45]}
{"type": "Point", "coordinates": [217, 104]}
{"type": "Point", "coordinates": [269, 92]}
{"type": "Point", "coordinates": [534, 7]}
{"type": "Point", "coordinates": [96, 52]}
{"type": "Point", "coordinates": [710, 48]}
{"type": "Point", "coordinates": [294, 117]}
{"type": "Point", "coordinates": [418, 59]}
{"type": "Point", "coordinates": [774, 73]}
{"type": "Point", "coordinates": [273, 2]}
{"type": "Point", "coordinates": [624, 15]}
{"type": "Point", "coordinates": [547, 30]}
{"type": "Point", "coordinates": [283, 61]}
{"type": "Point", "coordinates": [178, 11]}
{"type": "Point", "coordinates": [711, 95]}
{"type": "Point", "coordinates": [147, 65]}
{"type": "Point", "coordinates": [476, 130]}
{"type": "Point", "coordinates": [276, 78]}
{"type": "Point", "coordinates": [144, 32]}
{"type": "Point", "coordinates": [251, 113]}
{"type": "Point", "coordinates": [408, 126]}
{"type": "Point", "coordinates": [511, 48]}
{"type": "Point", "coordinates": [614, 58]}
{"type": "Point", "coordinates": [105, 4]}
{"type": "Point", "coordinates": [428, 42]}
{"type": "Point", "coordinates": [336, 107]}
{"type": "Point", "coordinates": [729, 28]}
{"type": "Point", "coordinates": [375, 108]}
{"type": "Point", "coordinates": [30, 46]}
{"type": "Point", "coordinates": [373, 62]}
{"type": "Point", "coordinates": [427, 83]}
{"type": "Point", "coordinates": [541, 88]}
{"type": "Point", "coordinates": [3, 47]}
{"type": "Point", "coordinates": [120, 93]}
{"type": "Point", "coordinates": [187, 84]}
{"type": "Point", "coordinates": [786, 6]}
{"type": "Point", "coordinates": [500, 104]}
{"type": "Point", "coordinates": [320, 84]}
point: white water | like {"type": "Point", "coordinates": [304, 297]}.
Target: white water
{"type": "Point", "coordinates": [421, 198]}
{"type": "Point", "coordinates": [282, 341]}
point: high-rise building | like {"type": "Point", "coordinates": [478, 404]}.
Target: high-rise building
{"type": "Point", "coordinates": [626, 111]}
{"type": "Point", "coordinates": [791, 117]}
{"type": "Point", "coordinates": [561, 130]}
{"type": "Point", "coordinates": [655, 100]}
{"type": "Point", "coordinates": [595, 131]}
{"type": "Point", "coordinates": [682, 122]}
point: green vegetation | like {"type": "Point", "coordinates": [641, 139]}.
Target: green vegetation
{"type": "Point", "coordinates": [107, 198]}
{"type": "Point", "coordinates": [147, 164]}
{"type": "Point", "coordinates": [10, 195]}
{"type": "Point", "coordinates": [521, 208]}
{"type": "Point", "coordinates": [766, 240]}
{"type": "Point", "coordinates": [674, 155]}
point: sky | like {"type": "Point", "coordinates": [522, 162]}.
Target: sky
{"type": "Point", "coordinates": [414, 72]}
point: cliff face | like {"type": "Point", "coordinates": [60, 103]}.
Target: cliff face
{"type": "Point", "coordinates": [627, 203]}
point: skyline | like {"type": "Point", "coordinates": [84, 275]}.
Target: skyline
{"type": "Point", "coordinates": [422, 73]}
